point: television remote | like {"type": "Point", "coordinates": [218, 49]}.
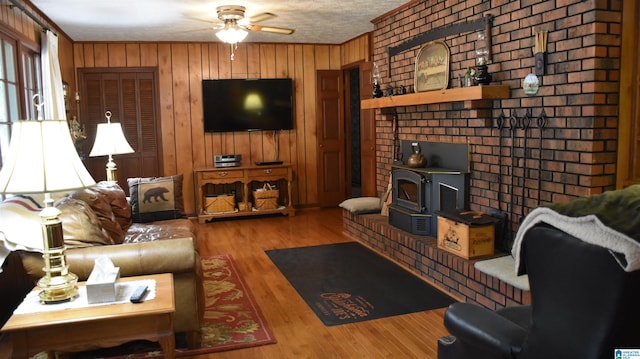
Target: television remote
{"type": "Point", "coordinates": [139, 294]}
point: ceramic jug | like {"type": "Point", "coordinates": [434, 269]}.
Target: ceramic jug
{"type": "Point", "coordinates": [416, 159]}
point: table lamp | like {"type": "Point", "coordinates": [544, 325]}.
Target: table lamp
{"type": "Point", "coordinates": [43, 159]}
{"type": "Point", "coordinates": [110, 141]}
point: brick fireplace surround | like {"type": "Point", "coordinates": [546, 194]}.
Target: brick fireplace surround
{"type": "Point", "coordinates": [574, 155]}
{"type": "Point", "coordinates": [420, 255]}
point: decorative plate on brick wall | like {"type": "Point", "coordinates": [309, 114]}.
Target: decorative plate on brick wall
{"type": "Point", "coordinates": [432, 67]}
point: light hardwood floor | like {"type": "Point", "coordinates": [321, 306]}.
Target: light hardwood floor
{"type": "Point", "coordinates": [300, 334]}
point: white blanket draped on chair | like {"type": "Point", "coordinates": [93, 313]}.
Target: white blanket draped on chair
{"type": "Point", "coordinates": [610, 220]}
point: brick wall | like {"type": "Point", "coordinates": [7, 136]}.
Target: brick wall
{"type": "Point", "coordinates": [420, 255]}
{"type": "Point", "coordinates": [578, 93]}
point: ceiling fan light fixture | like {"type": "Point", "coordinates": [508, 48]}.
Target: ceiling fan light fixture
{"type": "Point", "coordinates": [236, 27]}
{"type": "Point", "coordinates": [231, 34]}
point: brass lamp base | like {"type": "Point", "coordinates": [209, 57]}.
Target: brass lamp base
{"type": "Point", "coordinates": [58, 289]}
{"type": "Point", "coordinates": [112, 175]}
{"type": "Point", "coordinates": [58, 284]}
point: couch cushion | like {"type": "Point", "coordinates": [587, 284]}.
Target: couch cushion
{"type": "Point", "coordinates": [362, 205]}
{"type": "Point", "coordinates": [102, 208]}
{"type": "Point", "coordinates": [21, 224]}
{"type": "Point", "coordinates": [81, 225]}
{"type": "Point", "coordinates": [167, 256]}
{"type": "Point", "coordinates": [118, 200]}
{"type": "Point", "coordinates": [168, 229]}
{"type": "Point", "coordinates": [156, 198]}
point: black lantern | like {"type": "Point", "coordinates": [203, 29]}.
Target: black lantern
{"type": "Point", "coordinates": [377, 92]}
{"type": "Point", "coordinates": [483, 76]}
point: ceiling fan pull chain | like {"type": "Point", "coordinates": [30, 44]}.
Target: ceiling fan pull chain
{"type": "Point", "coordinates": [233, 48]}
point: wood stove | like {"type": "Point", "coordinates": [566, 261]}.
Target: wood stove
{"type": "Point", "coordinates": [409, 189]}
{"type": "Point", "coordinates": [419, 193]}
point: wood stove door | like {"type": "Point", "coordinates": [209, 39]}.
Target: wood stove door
{"type": "Point", "coordinates": [409, 190]}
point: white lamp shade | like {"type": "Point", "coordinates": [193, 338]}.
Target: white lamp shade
{"type": "Point", "coordinates": [231, 35]}
{"type": "Point", "coordinates": [110, 140]}
{"type": "Point", "coordinates": [42, 159]}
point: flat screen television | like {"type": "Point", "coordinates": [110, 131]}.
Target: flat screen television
{"type": "Point", "coordinates": [231, 105]}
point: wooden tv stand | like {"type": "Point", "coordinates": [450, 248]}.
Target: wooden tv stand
{"type": "Point", "coordinates": [244, 175]}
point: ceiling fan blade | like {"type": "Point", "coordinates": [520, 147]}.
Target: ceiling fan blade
{"type": "Point", "coordinates": [261, 17]}
{"type": "Point", "coordinates": [212, 22]}
{"type": "Point", "coordinates": [198, 30]}
{"type": "Point", "coordinates": [275, 30]}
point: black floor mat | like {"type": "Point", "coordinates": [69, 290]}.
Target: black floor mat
{"type": "Point", "coordinates": [347, 283]}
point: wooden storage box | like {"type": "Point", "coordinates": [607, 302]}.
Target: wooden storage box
{"type": "Point", "coordinates": [220, 203]}
{"type": "Point", "coordinates": [467, 234]}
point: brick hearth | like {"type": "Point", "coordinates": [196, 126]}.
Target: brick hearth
{"type": "Point", "coordinates": [420, 255]}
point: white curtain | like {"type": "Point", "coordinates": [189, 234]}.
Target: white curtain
{"type": "Point", "coordinates": [53, 97]}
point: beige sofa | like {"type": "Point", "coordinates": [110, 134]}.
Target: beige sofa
{"type": "Point", "coordinates": [97, 221]}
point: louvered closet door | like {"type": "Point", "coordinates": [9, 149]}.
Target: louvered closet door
{"type": "Point", "coordinates": [131, 97]}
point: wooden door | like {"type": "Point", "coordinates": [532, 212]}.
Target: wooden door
{"type": "Point", "coordinates": [628, 171]}
{"type": "Point", "coordinates": [367, 135]}
{"type": "Point", "coordinates": [130, 95]}
{"type": "Point", "coordinates": [331, 133]}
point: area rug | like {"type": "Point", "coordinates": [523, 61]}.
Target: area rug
{"type": "Point", "coordinates": [232, 319]}
{"type": "Point", "coordinates": [347, 283]}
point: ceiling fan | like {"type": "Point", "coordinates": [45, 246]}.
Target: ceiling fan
{"type": "Point", "coordinates": [233, 15]}
{"type": "Point", "coordinates": [235, 27]}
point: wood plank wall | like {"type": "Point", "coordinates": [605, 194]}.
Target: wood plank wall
{"type": "Point", "coordinates": [14, 20]}
{"type": "Point", "coordinates": [17, 23]}
{"type": "Point", "coordinates": [182, 66]}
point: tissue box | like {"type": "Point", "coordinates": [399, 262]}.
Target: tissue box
{"type": "Point", "coordinates": [102, 290]}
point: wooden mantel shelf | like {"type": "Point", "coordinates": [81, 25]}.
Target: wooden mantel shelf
{"type": "Point", "coordinates": [473, 93]}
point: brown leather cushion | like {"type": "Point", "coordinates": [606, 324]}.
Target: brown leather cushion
{"type": "Point", "coordinates": [81, 225]}
{"type": "Point", "coordinates": [110, 204]}
{"type": "Point", "coordinates": [119, 204]}
{"type": "Point", "coordinates": [173, 228]}
{"type": "Point", "coordinates": [101, 207]}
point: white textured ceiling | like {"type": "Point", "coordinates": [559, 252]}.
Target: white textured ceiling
{"type": "Point", "coordinates": [314, 21]}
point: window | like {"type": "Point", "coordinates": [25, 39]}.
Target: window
{"type": "Point", "coordinates": [20, 79]}
{"type": "Point", "coordinates": [9, 103]}
{"type": "Point", "coordinates": [32, 78]}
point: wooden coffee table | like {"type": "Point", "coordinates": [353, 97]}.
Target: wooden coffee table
{"type": "Point", "coordinates": [79, 329]}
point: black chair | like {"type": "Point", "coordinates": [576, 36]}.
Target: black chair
{"type": "Point", "coordinates": [583, 305]}
{"type": "Point", "coordinates": [15, 284]}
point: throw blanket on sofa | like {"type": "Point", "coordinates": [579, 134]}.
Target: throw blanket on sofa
{"type": "Point", "coordinates": [610, 220]}
{"type": "Point", "coordinates": [20, 226]}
